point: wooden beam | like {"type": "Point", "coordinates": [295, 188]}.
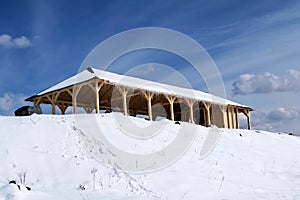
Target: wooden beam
{"type": "Point", "coordinates": [37, 101]}
{"type": "Point", "coordinates": [63, 107]}
{"type": "Point", "coordinates": [51, 98]}
{"type": "Point", "coordinates": [88, 109]}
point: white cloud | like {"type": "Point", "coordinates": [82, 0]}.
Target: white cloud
{"type": "Point", "coordinates": [282, 114]}
{"type": "Point", "coordinates": [17, 42]}
{"type": "Point", "coordinates": [295, 74]}
{"type": "Point", "coordinates": [10, 102]}
{"type": "Point", "coordinates": [275, 120]}
{"type": "Point", "coordinates": [266, 83]}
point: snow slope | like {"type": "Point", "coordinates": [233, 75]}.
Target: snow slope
{"type": "Point", "coordinates": [50, 150]}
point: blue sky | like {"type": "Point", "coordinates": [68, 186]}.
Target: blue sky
{"type": "Point", "coordinates": [255, 45]}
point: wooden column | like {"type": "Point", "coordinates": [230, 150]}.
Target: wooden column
{"type": "Point", "coordinates": [53, 108]}
{"type": "Point", "coordinates": [172, 110]}
{"type": "Point", "coordinates": [149, 96]}
{"type": "Point", "coordinates": [97, 88]}
{"type": "Point", "coordinates": [232, 117]}
{"type": "Point", "coordinates": [52, 99]}
{"type": "Point", "coordinates": [248, 119]}
{"type": "Point", "coordinates": [171, 101]}
{"type": "Point", "coordinates": [124, 93]}
{"type": "Point", "coordinates": [207, 116]}
{"type": "Point", "coordinates": [76, 89]}
{"type": "Point", "coordinates": [228, 118]}
{"type": "Point", "coordinates": [237, 126]}
{"type": "Point", "coordinates": [74, 104]}
{"type": "Point", "coordinates": [125, 102]}
{"type": "Point", "coordinates": [247, 113]}
{"type": "Point", "coordinates": [191, 105]}
{"type": "Point", "coordinates": [97, 101]}
{"type": "Point", "coordinates": [191, 113]}
{"type": "Point", "coordinates": [224, 115]}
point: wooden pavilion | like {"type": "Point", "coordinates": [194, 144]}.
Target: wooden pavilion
{"type": "Point", "coordinates": [96, 90]}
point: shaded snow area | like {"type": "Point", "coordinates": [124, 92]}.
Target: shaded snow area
{"type": "Point", "coordinates": [49, 152]}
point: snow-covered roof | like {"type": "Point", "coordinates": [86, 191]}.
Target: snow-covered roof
{"type": "Point", "coordinates": [137, 83]}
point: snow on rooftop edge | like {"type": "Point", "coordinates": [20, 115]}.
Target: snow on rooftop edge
{"type": "Point", "coordinates": [136, 83]}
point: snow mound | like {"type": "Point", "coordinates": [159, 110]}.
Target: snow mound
{"type": "Point", "coordinates": [51, 152]}
{"type": "Point", "coordinates": [10, 192]}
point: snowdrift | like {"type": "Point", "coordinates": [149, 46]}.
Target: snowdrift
{"type": "Point", "coordinates": [51, 153]}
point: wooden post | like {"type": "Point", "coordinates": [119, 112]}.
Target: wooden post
{"type": "Point", "coordinates": [208, 116]}
{"type": "Point", "coordinates": [207, 108]}
{"type": "Point", "coordinates": [228, 118]}
{"type": "Point", "coordinates": [172, 110]}
{"type": "Point", "coordinates": [97, 89]}
{"type": "Point", "coordinates": [149, 96]}
{"type": "Point", "coordinates": [191, 105]}
{"type": "Point", "coordinates": [248, 119]}
{"type": "Point", "coordinates": [74, 104]}
{"type": "Point", "coordinates": [232, 118]}
{"type": "Point", "coordinates": [75, 92]}
{"type": "Point", "coordinates": [125, 103]}
{"type": "Point", "coordinates": [69, 91]}
{"type": "Point", "coordinates": [247, 113]}
{"type": "Point", "coordinates": [171, 101]}
{"type": "Point", "coordinates": [97, 101]}
{"type": "Point", "coordinates": [223, 109]}
{"type": "Point", "coordinates": [53, 108]}
{"type": "Point", "coordinates": [124, 92]}
{"type": "Point", "coordinates": [237, 126]}
{"type": "Point", "coordinates": [51, 99]}
{"type": "Point", "coordinates": [191, 113]}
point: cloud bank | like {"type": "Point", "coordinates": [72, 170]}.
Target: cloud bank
{"type": "Point", "coordinates": [8, 41]}
{"type": "Point", "coordinates": [275, 120]}
{"type": "Point", "coordinates": [267, 83]}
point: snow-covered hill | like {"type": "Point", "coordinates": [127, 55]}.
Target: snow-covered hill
{"type": "Point", "coordinates": [57, 163]}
